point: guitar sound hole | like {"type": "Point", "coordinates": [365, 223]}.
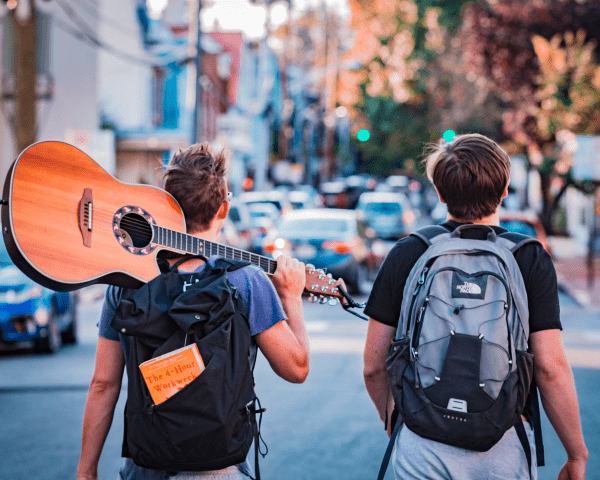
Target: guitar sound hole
{"type": "Point", "coordinates": [136, 230]}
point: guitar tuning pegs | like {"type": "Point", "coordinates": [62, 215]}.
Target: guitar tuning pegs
{"type": "Point", "coordinates": [312, 298]}
{"type": "Point", "coordinates": [333, 301]}
{"type": "Point", "coordinates": [323, 300]}
{"type": "Point", "coordinates": [311, 267]}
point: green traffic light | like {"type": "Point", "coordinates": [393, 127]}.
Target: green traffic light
{"type": "Point", "coordinates": [363, 135]}
{"type": "Point", "coordinates": [449, 135]}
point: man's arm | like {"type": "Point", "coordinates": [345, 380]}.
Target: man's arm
{"type": "Point", "coordinates": [555, 381]}
{"type": "Point", "coordinates": [285, 345]}
{"type": "Point", "coordinates": [379, 337]}
{"type": "Point", "coordinates": [100, 405]}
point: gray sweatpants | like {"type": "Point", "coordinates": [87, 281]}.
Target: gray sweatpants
{"type": "Point", "coordinates": [417, 458]}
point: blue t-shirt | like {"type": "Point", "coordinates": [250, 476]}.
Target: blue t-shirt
{"type": "Point", "coordinates": [261, 299]}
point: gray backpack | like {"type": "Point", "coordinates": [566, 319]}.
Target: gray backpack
{"type": "Point", "coordinates": [459, 367]}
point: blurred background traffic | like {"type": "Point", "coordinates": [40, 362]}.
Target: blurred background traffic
{"type": "Point", "coordinates": [326, 106]}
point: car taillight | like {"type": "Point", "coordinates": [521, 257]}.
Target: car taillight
{"type": "Point", "coordinates": [336, 246]}
{"type": "Point", "coordinates": [278, 244]}
{"type": "Point", "coordinates": [408, 217]}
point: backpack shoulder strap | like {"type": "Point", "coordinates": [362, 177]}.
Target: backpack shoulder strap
{"type": "Point", "coordinates": [429, 232]}
{"type": "Point", "coordinates": [514, 241]}
{"type": "Point", "coordinates": [230, 265]}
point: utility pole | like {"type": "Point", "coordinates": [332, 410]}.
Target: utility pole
{"type": "Point", "coordinates": [23, 25]}
{"type": "Point", "coordinates": [196, 28]}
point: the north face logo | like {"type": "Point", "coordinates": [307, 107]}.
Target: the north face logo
{"type": "Point", "coordinates": [469, 288]}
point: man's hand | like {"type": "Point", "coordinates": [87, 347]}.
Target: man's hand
{"type": "Point", "coordinates": [289, 277]}
{"type": "Point", "coordinates": [340, 282]}
{"type": "Point", "coordinates": [572, 470]}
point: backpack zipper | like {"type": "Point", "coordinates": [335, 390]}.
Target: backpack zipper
{"type": "Point", "coordinates": [420, 283]}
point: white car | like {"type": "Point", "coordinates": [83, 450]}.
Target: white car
{"type": "Point", "coordinates": [389, 214]}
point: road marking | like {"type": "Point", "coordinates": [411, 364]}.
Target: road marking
{"type": "Point", "coordinates": [316, 326]}
{"type": "Point", "coordinates": [343, 345]}
{"type": "Point", "coordinates": [583, 357]}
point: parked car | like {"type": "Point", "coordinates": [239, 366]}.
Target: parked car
{"type": "Point", "coordinates": [526, 222]}
{"type": "Point", "coordinates": [263, 217]}
{"type": "Point", "coordinates": [333, 239]}
{"type": "Point", "coordinates": [334, 194]}
{"type": "Point", "coordinates": [32, 313]}
{"type": "Point", "coordinates": [239, 213]}
{"type": "Point", "coordinates": [230, 236]}
{"type": "Point", "coordinates": [389, 214]}
{"type": "Point", "coordinates": [278, 198]}
{"type": "Point", "coordinates": [358, 184]}
{"type": "Point", "coordinates": [305, 199]}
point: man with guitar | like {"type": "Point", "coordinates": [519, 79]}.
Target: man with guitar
{"type": "Point", "coordinates": [196, 178]}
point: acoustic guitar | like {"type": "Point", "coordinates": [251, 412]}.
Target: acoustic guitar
{"type": "Point", "coordinates": [68, 223]}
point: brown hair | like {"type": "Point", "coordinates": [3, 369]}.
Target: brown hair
{"type": "Point", "coordinates": [470, 173]}
{"type": "Point", "coordinates": [197, 178]}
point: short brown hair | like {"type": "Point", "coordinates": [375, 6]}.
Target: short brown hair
{"type": "Point", "coordinates": [197, 178]}
{"type": "Point", "coordinates": [471, 173]}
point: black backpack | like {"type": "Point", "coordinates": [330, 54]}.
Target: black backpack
{"type": "Point", "coordinates": [209, 424]}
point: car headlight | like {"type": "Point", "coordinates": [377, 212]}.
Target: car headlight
{"type": "Point", "coordinates": [41, 316]}
{"type": "Point", "coordinates": [14, 297]}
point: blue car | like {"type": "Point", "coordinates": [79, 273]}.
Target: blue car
{"type": "Point", "coordinates": [327, 238]}
{"type": "Point", "coordinates": [32, 313]}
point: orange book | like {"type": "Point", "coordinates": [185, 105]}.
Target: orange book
{"type": "Point", "coordinates": [169, 373]}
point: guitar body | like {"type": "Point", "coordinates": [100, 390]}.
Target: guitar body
{"type": "Point", "coordinates": [69, 223]}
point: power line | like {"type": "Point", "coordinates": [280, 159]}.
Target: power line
{"type": "Point", "coordinates": [92, 9]}
{"type": "Point", "coordinates": [86, 34]}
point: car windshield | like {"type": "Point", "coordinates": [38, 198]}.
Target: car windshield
{"type": "Point", "coordinates": [386, 208]}
{"type": "Point", "coordinates": [274, 202]}
{"type": "Point", "coordinates": [303, 226]}
{"type": "Point", "coordinates": [517, 226]}
{"type": "Point", "coordinates": [5, 260]}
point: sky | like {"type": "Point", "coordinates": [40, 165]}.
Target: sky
{"type": "Point", "coordinates": [242, 15]}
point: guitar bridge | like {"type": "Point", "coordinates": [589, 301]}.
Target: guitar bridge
{"type": "Point", "coordinates": [85, 212]}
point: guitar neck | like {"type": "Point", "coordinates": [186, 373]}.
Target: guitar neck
{"type": "Point", "coordinates": [198, 246]}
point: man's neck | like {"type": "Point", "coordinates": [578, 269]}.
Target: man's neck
{"type": "Point", "coordinates": [493, 219]}
{"type": "Point", "coordinates": [211, 235]}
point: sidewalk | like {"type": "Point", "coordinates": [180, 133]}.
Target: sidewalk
{"type": "Point", "coordinates": [570, 261]}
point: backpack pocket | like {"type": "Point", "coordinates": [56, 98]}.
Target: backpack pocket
{"type": "Point", "coordinates": [202, 400]}
{"type": "Point", "coordinates": [525, 369]}
{"type": "Point", "coordinates": [396, 362]}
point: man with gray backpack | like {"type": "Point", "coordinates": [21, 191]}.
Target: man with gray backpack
{"type": "Point", "coordinates": [464, 330]}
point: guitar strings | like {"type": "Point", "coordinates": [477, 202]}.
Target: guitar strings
{"type": "Point", "coordinates": [135, 225]}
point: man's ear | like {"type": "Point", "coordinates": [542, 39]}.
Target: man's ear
{"type": "Point", "coordinates": [223, 211]}
{"type": "Point", "coordinates": [505, 193]}
{"type": "Point", "coordinates": [438, 194]}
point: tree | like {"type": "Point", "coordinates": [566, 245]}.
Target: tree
{"type": "Point", "coordinates": [540, 58]}
{"type": "Point", "coordinates": [412, 71]}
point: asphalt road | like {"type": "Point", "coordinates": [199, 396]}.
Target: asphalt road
{"type": "Point", "coordinates": [325, 428]}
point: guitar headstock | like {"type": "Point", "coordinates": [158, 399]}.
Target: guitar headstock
{"type": "Point", "coordinates": [321, 286]}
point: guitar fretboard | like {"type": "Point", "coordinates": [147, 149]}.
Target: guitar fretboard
{"type": "Point", "coordinates": [197, 246]}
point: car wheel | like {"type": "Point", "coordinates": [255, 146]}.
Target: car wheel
{"type": "Point", "coordinates": [70, 334]}
{"type": "Point", "coordinates": [52, 342]}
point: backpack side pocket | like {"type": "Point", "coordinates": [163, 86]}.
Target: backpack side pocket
{"type": "Point", "coordinates": [397, 360]}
